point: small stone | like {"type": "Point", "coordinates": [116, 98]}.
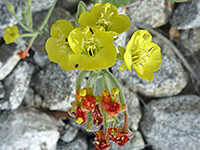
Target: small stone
{"type": "Point", "coordinates": [79, 143]}
{"type": "Point", "coordinates": [2, 91]}
{"type": "Point", "coordinates": [153, 13]}
{"type": "Point", "coordinates": [70, 132]}
{"type": "Point", "coordinates": [56, 86]}
{"type": "Point", "coordinates": [28, 128]}
{"type": "Point", "coordinates": [16, 85]}
{"type": "Point", "coordinates": [186, 15]}
{"type": "Point", "coordinates": [172, 123]}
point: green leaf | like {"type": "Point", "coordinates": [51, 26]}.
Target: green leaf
{"type": "Point", "coordinates": [117, 3]}
{"type": "Point", "coordinates": [81, 8]}
{"type": "Point", "coordinates": [177, 1]}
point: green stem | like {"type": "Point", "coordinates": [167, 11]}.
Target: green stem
{"type": "Point", "coordinates": [30, 16]}
{"type": "Point", "coordinates": [89, 121]}
{"type": "Point", "coordinates": [21, 24]}
{"type": "Point", "coordinates": [43, 23]}
{"type": "Point", "coordinates": [27, 34]}
{"type": "Point", "coordinates": [105, 123]}
{"type": "Point", "coordinates": [117, 84]}
{"type": "Point", "coordinates": [79, 79]}
{"type": "Point", "coordinates": [106, 82]}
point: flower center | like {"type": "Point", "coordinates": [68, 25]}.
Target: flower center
{"type": "Point", "coordinates": [141, 56]}
{"type": "Point", "coordinates": [104, 23]}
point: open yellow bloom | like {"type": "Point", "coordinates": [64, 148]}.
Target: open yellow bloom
{"type": "Point", "coordinates": [105, 15]}
{"type": "Point", "coordinates": [10, 34]}
{"type": "Point", "coordinates": [143, 55]}
{"type": "Point", "coordinates": [57, 45]}
{"type": "Point", "coordinates": [93, 48]}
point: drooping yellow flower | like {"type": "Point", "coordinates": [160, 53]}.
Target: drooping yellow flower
{"type": "Point", "coordinates": [93, 48]}
{"type": "Point", "coordinates": [57, 45]}
{"type": "Point", "coordinates": [105, 15]}
{"type": "Point", "coordinates": [10, 34]}
{"type": "Point", "coordinates": [143, 55]}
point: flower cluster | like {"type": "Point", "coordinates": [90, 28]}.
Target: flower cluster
{"type": "Point", "coordinates": [98, 105]}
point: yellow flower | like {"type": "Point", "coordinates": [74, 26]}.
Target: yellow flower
{"type": "Point", "coordinates": [143, 55]}
{"type": "Point", "coordinates": [10, 34]}
{"type": "Point", "coordinates": [105, 15]}
{"type": "Point", "coordinates": [57, 45]}
{"type": "Point", "coordinates": [93, 48]}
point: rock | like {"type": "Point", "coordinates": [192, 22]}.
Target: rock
{"type": "Point", "coordinates": [2, 91]}
{"type": "Point", "coordinates": [189, 39]}
{"type": "Point", "coordinates": [9, 58]}
{"type": "Point", "coordinates": [70, 132]}
{"type": "Point", "coordinates": [169, 80]}
{"type": "Point", "coordinates": [7, 19]}
{"type": "Point", "coordinates": [70, 5]}
{"type": "Point", "coordinates": [56, 86]}
{"type": "Point", "coordinates": [172, 123]}
{"type": "Point", "coordinates": [186, 15]}
{"type": "Point", "coordinates": [153, 13]}
{"type": "Point", "coordinates": [135, 143]}
{"type": "Point", "coordinates": [16, 85]}
{"type": "Point", "coordinates": [28, 128]}
{"type": "Point", "coordinates": [79, 143]}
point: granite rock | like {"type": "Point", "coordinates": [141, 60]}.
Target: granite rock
{"type": "Point", "coordinates": [16, 86]}
{"type": "Point", "coordinates": [55, 86]}
{"type": "Point", "coordinates": [153, 13]}
{"type": "Point", "coordinates": [2, 91]}
{"type": "Point", "coordinates": [9, 58]}
{"type": "Point", "coordinates": [77, 144]}
{"type": "Point", "coordinates": [186, 15]}
{"type": "Point", "coordinates": [69, 133]}
{"type": "Point", "coordinates": [172, 123]}
{"type": "Point", "coordinates": [28, 128]}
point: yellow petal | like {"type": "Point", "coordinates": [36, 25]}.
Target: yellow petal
{"type": "Point", "coordinates": [65, 64]}
{"type": "Point", "coordinates": [55, 49]}
{"type": "Point", "coordinates": [155, 59]}
{"type": "Point", "coordinates": [143, 72]}
{"type": "Point", "coordinates": [104, 10]}
{"type": "Point", "coordinates": [61, 29]}
{"type": "Point", "coordinates": [128, 59]}
{"type": "Point", "coordinates": [120, 24]}
{"type": "Point", "coordinates": [10, 34]}
{"type": "Point", "coordinates": [86, 18]}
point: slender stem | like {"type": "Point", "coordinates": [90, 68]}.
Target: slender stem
{"type": "Point", "coordinates": [27, 34]}
{"type": "Point", "coordinates": [21, 24]}
{"type": "Point", "coordinates": [79, 79]}
{"type": "Point", "coordinates": [33, 39]}
{"type": "Point", "coordinates": [89, 121]}
{"type": "Point", "coordinates": [105, 123]}
{"type": "Point", "coordinates": [117, 84]}
{"type": "Point", "coordinates": [48, 15]}
{"type": "Point", "coordinates": [30, 16]}
{"type": "Point", "coordinates": [106, 82]}
{"type": "Point", "coordinates": [125, 127]}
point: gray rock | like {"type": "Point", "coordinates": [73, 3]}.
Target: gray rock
{"type": "Point", "coordinates": [135, 143]}
{"type": "Point", "coordinates": [186, 15]}
{"type": "Point", "coordinates": [169, 80]}
{"type": "Point", "coordinates": [27, 128]}
{"type": "Point", "coordinates": [190, 39]}
{"type": "Point", "coordinates": [16, 85]}
{"type": "Point", "coordinates": [172, 123]}
{"type": "Point", "coordinates": [9, 58]}
{"type": "Point", "coordinates": [7, 19]}
{"type": "Point", "coordinates": [69, 133]}
{"type": "Point", "coordinates": [2, 91]}
{"type": "Point", "coordinates": [77, 144]}
{"type": "Point", "coordinates": [70, 5]}
{"type": "Point", "coordinates": [153, 13]}
{"type": "Point", "coordinates": [56, 86]}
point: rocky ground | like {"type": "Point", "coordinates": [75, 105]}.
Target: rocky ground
{"type": "Point", "coordinates": [164, 113]}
